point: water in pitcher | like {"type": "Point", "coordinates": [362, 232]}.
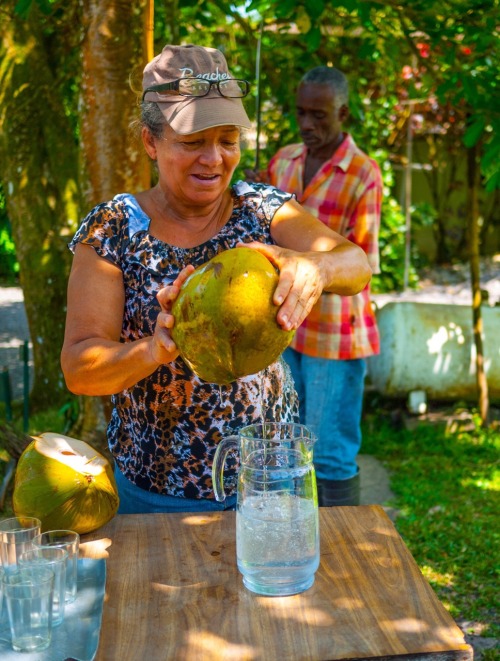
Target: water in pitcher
{"type": "Point", "coordinates": [277, 538]}
{"type": "Point", "coordinates": [277, 542]}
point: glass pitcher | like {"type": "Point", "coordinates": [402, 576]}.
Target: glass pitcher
{"type": "Point", "coordinates": [277, 534]}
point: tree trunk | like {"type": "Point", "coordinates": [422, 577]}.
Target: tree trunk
{"type": "Point", "coordinates": [39, 176]}
{"type": "Point", "coordinates": [473, 221]}
{"type": "Point", "coordinates": [12, 441]}
{"type": "Point", "coordinates": [113, 158]}
{"type": "Point", "coordinates": [148, 30]}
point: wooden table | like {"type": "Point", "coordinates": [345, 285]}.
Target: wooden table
{"type": "Point", "coordinates": [174, 592]}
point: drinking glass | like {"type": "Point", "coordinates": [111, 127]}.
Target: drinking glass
{"type": "Point", "coordinates": [2, 574]}
{"type": "Point", "coordinates": [53, 558]}
{"type": "Point", "coordinates": [28, 593]}
{"type": "Point", "coordinates": [16, 537]}
{"type": "Point", "coordinates": [70, 542]}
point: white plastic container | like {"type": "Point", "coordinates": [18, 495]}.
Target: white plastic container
{"type": "Point", "coordinates": [430, 347]}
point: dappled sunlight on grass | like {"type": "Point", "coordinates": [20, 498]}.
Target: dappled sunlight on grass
{"type": "Point", "coordinates": [446, 482]}
{"type": "Point", "coordinates": [437, 578]}
{"type": "Point", "coordinates": [492, 484]}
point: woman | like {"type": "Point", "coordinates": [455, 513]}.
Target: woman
{"type": "Point", "coordinates": [132, 256]}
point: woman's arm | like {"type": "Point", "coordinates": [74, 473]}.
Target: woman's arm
{"type": "Point", "coordinates": [94, 361]}
{"type": "Point", "coordinates": [311, 259]}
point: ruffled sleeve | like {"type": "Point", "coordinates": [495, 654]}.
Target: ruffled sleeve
{"type": "Point", "coordinates": [263, 197]}
{"type": "Point", "coordinates": [105, 228]}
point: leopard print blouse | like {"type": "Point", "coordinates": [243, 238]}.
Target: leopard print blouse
{"type": "Point", "coordinates": [164, 430]}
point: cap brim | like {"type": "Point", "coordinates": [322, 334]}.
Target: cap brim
{"type": "Point", "coordinates": [195, 114]}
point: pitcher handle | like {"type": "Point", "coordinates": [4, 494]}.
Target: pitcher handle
{"type": "Point", "coordinates": [227, 444]}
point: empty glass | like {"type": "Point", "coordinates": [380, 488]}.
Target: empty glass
{"type": "Point", "coordinates": [54, 558]}
{"type": "Point", "coordinates": [2, 609]}
{"type": "Point", "coordinates": [16, 537]}
{"type": "Point", "coordinates": [70, 542]}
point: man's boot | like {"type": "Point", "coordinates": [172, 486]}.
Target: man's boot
{"type": "Point", "coordinates": [338, 492]}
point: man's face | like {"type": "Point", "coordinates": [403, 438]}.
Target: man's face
{"type": "Point", "coordinates": [320, 122]}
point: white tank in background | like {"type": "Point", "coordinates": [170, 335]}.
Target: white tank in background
{"type": "Point", "coordinates": [430, 347]}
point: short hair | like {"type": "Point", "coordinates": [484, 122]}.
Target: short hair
{"type": "Point", "coordinates": [332, 77]}
{"type": "Point", "coordinates": [152, 118]}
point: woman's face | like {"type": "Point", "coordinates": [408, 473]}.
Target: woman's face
{"type": "Point", "coordinates": [196, 169]}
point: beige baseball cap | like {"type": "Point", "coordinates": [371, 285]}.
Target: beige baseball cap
{"type": "Point", "coordinates": [185, 114]}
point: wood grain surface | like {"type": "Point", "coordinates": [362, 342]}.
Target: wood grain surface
{"type": "Point", "coordinates": [173, 592]}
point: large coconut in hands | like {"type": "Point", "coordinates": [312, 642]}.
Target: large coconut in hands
{"type": "Point", "coordinates": [225, 319]}
{"type": "Point", "coordinates": [65, 483]}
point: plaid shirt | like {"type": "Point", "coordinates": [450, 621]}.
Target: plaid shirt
{"type": "Point", "coordinates": [345, 194]}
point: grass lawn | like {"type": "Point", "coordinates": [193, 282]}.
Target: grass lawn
{"type": "Point", "coordinates": [446, 480]}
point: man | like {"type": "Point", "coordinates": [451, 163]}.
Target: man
{"type": "Point", "coordinates": [336, 181]}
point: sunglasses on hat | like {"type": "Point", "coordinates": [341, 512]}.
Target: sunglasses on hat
{"type": "Point", "coordinates": [231, 88]}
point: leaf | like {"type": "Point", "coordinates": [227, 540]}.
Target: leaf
{"type": "Point", "coordinates": [23, 8]}
{"type": "Point", "coordinates": [493, 183]}
{"type": "Point", "coordinates": [45, 7]}
{"type": "Point", "coordinates": [314, 8]}
{"type": "Point", "coordinates": [446, 86]}
{"type": "Point", "coordinates": [363, 10]}
{"type": "Point", "coordinates": [470, 89]}
{"type": "Point", "coordinates": [261, 6]}
{"type": "Point", "coordinates": [367, 49]}
{"type": "Point", "coordinates": [474, 131]}
{"type": "Point", "coordinates": [491, 153]}
{"type": "Point", "coordinates": [313, 39]}
{"type": "Point", "coordinates": [350, 5]}
{"type": "Point", "coordinates": [303, 20]}
{"type": "Point", "coordinates": [285, 8]}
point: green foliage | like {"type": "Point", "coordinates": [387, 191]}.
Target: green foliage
{"type": "Point", "coordinates": [23, 7]}
{"type": "Point", "coordinates": [247, 162]}
{"type": "Point", "coordinates": [446, 481]}
{"type": "Point", "coordinates": [50, 419]}
{"type": "Point", "coordinates": [490, 160]}
{"type": "Point", "coordinates": [392, 248]}
{"type": "Point", "coordinates": [423, 215]}
{"type": "Point", "coordinates": [450, 49]}
{"type": "Point", "coordinates": [9, 267]}
{"type": "Point", "coordinates": [392, 237]}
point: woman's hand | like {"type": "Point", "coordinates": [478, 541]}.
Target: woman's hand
{"type": "Point", "coordinates": [163, 348]}
{"type": "Point", "coordinates": [302, 278]}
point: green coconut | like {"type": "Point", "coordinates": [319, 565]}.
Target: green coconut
{"type": "Point", "coordinates": [65, 483]}
{"type": "Point", "coordinates": [225, 319]}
